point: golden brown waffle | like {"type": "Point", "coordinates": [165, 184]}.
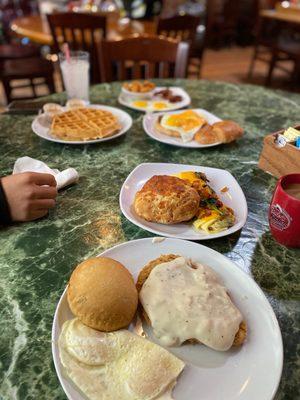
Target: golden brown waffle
{"type": "Point", "coordinates": [84, 124]}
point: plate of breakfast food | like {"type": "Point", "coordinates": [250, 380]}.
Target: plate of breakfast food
{"type": "Point", "coordinates": [195, 128]}
{"type": "Point", "coordinates": [145, 96]}
{"type": "Point", "coordinates": [165, 319]}
{"type": "Point", "coordinates": [183, 201]}
{"type": "Point", "coordinates": [78, 123]}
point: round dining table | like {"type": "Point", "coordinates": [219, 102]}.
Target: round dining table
{"type": "Point", "coordinates": [38, 257]}
{"type": "Point", "coordinates": [36, 28]}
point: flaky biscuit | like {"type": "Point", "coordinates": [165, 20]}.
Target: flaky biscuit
{"type": "Point", "coordinates": [166, 200]}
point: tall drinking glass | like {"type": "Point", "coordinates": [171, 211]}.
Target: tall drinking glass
{"type": "Point", "coordinates": [75, 72]}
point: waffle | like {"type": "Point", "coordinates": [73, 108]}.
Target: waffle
{"type": "Point", "coordinates": [84, 124]}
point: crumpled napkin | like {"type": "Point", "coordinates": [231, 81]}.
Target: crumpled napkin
{"type": "Point", "coordinates": [63, 178]}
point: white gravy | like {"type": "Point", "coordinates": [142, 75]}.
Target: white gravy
{"type": "Point", "coordinates": [189, 303]}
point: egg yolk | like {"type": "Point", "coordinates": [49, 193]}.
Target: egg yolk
{"type": "Point", "coordinates": [159, 105]}
{"type": "Point", "coordinates": [186, 120]}
{"type": "Point", "coordinates": [140, 104]}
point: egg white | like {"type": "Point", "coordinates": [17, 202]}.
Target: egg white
{"type": "Point", "coordinates": [117, 365]}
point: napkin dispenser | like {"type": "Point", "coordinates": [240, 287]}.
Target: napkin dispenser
{"type": "Point", "coordinates": [279, 158]}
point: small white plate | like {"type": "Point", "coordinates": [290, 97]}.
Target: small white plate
{"type": "Point", "coordinates": [218, 179]}
{"type": "Point", "coordinates": [251, 372]}
{"type": "Point", "coordinates": [41, 127]}
{"type": "Point", "coordinates": [149, 122]}
{"type": "Point", "coordinates": [186, 100]}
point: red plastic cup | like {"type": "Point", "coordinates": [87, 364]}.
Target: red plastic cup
{"type": "Point", "coordinates": [284, 213]}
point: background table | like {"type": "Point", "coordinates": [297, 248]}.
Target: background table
{"type": "Point", "coordinates": [281, 16]}
{"type": "Point", "coordinates": [37, 29]}
{"type": "Point", "coordinates": [36, 259]}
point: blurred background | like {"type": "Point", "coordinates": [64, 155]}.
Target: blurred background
{"type": "Point", "coordinates": [239, 41]}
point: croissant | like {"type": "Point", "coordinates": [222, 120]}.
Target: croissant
{"type": "Point", "coordinates": [223, 131]}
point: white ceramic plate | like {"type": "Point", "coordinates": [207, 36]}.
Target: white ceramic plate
{"type": "Point", "coordinates": [41, 127]}
{"type": "Point", "coordinates": [186, 100]}
{"type": "Point", "coordinates": [218, 179]}
{"type": "Point", "coordinates": [149, 122]}
{"type": "Point", "coordinates": [250, 372]}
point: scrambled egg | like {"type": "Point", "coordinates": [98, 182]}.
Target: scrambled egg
{"type": "Point", "coordinates": [213, 216]}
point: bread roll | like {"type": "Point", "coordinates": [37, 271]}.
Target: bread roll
{"type": "Point", "coordinates": [166, 200]}
{"type": "Point", "coordinates": [223, 131]}
{"type": "Point", "coordinates": [102, 294]}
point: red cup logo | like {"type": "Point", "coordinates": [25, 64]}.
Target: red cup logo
{"type": "Point", "coordinates": [279, 218]}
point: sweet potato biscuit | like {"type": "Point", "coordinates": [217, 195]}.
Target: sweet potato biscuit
{"type": "Point", "coordinates": [167, 200]}
{"type": "Point", "coordinates": [143, 276]}
{"type": "Point", "coordinates": [84, 124]}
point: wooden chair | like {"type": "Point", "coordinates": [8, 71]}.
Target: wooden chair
{"type": "Point", "coordinates": [285, 51]}
{"type": "Point", "coordinates": [184, 28]}
{"type": "Point", "coordinates": [143, 57]}
{"type": "Point", "coordinates": [179, 27]}
{"type": "Point", "coordinates": [26, 69]}
{"type": "Point", "coordinates": [19, 61]}
{"type": "Point", "coordinates": [274, 43]}
{"type": "Point", "coordinates": [15, 51]}
{"type": "Point", "coordinates": [82, 32]}
{"type": "Point", "coordinates": [221, 21]}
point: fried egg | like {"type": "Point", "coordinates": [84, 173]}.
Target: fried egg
{"type": "Point", "coordinates": [150, 105]}
{"type": "Point", "coordinates": [186, 123]}
{"type": "Point", "coordinates": [117, 365]}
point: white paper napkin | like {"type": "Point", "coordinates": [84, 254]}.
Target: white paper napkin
{"type": "Point", "coordinates": [63, 178]}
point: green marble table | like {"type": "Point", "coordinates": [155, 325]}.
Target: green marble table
{"type": "Point", "coordinates": [36, 258]}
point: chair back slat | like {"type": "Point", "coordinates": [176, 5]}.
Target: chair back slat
{"type": "Point", "coordinates": [82, 32]}
{"type": "Point", "coordinates": [180, 27]}
{"type": "Point", "coordinates": [137, 70]}
{"type": "Point", "coordinates": [150, 70]}
{"type": "Point", "coordinates": [74, 39]}
{"type": "Point", "coordinates": [142, 57]}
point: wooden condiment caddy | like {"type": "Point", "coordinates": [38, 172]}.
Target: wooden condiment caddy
{"type": "Point", "coordinates": [279, 160]}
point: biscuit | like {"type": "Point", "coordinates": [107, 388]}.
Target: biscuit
{"type": "Point", "coordinates": [166, 200]}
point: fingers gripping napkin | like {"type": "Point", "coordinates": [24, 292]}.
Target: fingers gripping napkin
{"type": "Point", "coordinates": [63, 178]}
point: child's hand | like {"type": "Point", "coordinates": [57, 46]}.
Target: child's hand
{"type": "Point", "coordinates": [27, 197]}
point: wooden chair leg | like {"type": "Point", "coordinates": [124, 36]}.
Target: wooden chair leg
{"type": "Point", "coordinates": [50, 83]}
{"type": "Point", "coordinates": [33, 88]}
{"type": "Point", "coordinates": [252, 63]}
{"type": "Point", "coordinates": [295, 78]}
{"type": "Point", "coordinates": [271, 69]}
{"type": "Point", "coordinates": [259, 33]}
{"type": "Point", "coordinates": [7, 90]}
